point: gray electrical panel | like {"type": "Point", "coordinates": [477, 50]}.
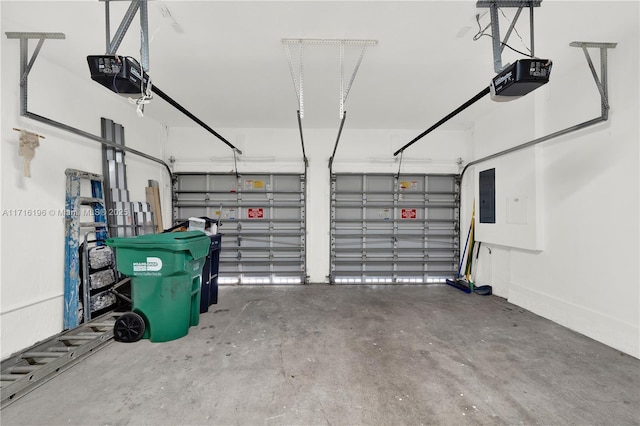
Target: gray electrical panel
{"type": "Point", "coordinates": [487, 183]}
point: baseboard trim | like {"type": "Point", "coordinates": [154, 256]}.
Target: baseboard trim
{"type": "Point", "coordinates": [610, 331]}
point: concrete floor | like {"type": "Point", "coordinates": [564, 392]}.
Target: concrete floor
{"type": "Point", "coordinates": [319, 354]}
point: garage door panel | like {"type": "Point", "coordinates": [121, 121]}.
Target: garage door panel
{"type": "Point", "coordinates": [353, 214]}
{"type": "Point", "coordinates": [287, 244]}
{"type": "Point", "coordinates": [378, 216]}
{"type": "Point", "coordinates": [287, 213]}
{"type": "Point", "coordinates": [188, 212]}
{"type": "Point", "coordinates": [248, 242]}
{"type": "Point", "coordinates": [393, 230]}
{"type": "Point", "coordinates": [283, 184]}
{"type": "Point", "coordinates": [409, 244]}
{"type": "Point", "coordinates": [262, 221]}
{"type": "Point", "coordinates": [373, 244]}
{"type": "Point", "coordinates": [349, 183]}
{"type": "Point", "coordinates": [195, 181]}
{"type": "Point", "coordinates": [444, 214]}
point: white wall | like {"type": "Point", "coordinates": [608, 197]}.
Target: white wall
{"type": "Point", "coordinates": [573, 261]}
{"type": "Point", "coordinates": [578, 264]}
{"type": "Point", "coordinates": [279, 150]}
{"type": "Point", "coordinates": [32, 276]}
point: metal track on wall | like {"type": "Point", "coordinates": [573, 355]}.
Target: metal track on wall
{"type": "Point", "coordinates": [387, 229]}
{"type": "Point", "coordinates": [263, 223]}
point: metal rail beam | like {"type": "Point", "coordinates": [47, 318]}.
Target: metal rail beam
{"type": "Point", "coordinates": [452, 114]}
{"type": "Point", "coordinates": [183, 110]}
{"type": "Point", "coordinates": [304, 154]}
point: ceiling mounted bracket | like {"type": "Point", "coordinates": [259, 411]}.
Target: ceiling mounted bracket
{"type": "Point", "coordinates": [113, 44]}
{"type": "Point", "coordinates": [344, 92]}
{"type": "Point", "coordinates": [25, 63]}
{"type": "Point", "coordinates": [601, 81]}
{"type": "Point", "coordinates": [298, 81]}
{"type": "Point", "coordinates": [498, 46]}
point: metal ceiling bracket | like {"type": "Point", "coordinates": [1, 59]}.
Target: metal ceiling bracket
{"type": "Point", "coordinates": [345, 92]}
{"type": "Point", "coordinates": [602, 81]}
{"type": "Point", "coordinates": [144, 35]}
{"type": "Point", "coordinates": [498, 46]}
{"type": "Point", "coordinates": [511, 27]}
{"type": "Point", "coordinates": [531, 32]}
{"type": "Point", "coordinates": [298, 81]}
{"type": "Point", "coordinates": [27, 64]}
{"type": "Point", "coordinates": [342, 95]}
{"type": "Point", "coordinates": [297, 86]}
{"type": "Point", "coordinates": [114, 44]}
{"type": "Point", "coordinates": [509, 3]}
{"type": "Point", "coordinates": [495, 38]}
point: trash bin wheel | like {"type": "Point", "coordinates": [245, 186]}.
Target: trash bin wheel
{"type": "Point", "coordinates": [129, 327]}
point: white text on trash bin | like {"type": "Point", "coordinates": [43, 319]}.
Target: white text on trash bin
{"type": "Point", "coordinates": [152, 264]}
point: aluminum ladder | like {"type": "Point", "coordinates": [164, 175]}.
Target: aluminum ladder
{"type": "Point", "coordinates": [23, 372]}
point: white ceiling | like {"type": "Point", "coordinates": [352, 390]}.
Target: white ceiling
{"type": "Point", "coordinates": [226, 63]}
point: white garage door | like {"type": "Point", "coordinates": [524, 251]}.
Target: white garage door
{"type": "Point", "coordinates": [263, 223]}
{"type": "Point", "coordinates": [389, 229]}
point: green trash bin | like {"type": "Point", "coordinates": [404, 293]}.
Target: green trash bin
{"type": "Point", "coordinates": [165, 271]}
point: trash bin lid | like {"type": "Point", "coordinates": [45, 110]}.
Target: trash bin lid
{"type": "Point", "coordinates": [195, 242]}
